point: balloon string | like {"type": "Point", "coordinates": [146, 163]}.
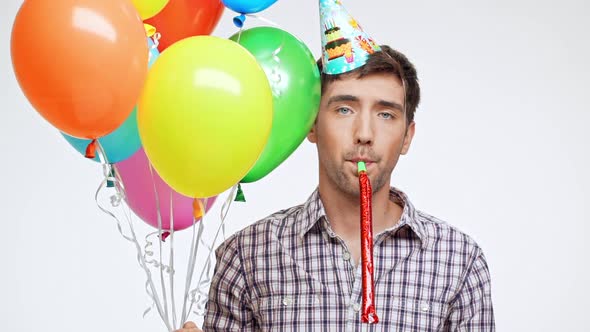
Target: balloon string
{"type": "Point", "coordinates": [240, 34]}
{"type": "Point", "coordinates": [203, 285]}
{"type": "Point", "coordinates": [258, 17]}
{"type": "Point", "coordinates": [171, 260]}
{"type": "Point", "coordinates": [200, 293]}
{"type": "Point", "coordinates": [159, 211]}
{"type": "Point", "coordinates": [191, 264]}
{"type": "Point", "coordinates": [156, 42]}
{"type": "Point", "coordinates": [156, 39]}
{"type": "Point", "coordinates": [149, 292]}
{"type": "Point", "coordinates": [148, 252]}
{"type": "Point", "coordinates": [274, 76]}
{"type": "Point", "coordinates": [263, 19]}
{"type": "Point", "coordinates": [115, 202]}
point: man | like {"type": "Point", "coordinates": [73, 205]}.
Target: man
{"type": "Point", "coordinates": [299, 269]}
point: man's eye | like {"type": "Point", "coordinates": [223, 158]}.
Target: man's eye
{"type": "Point", "coordinates": [344, 110]}
{"type": "Point", "coordinates": [386, 115]}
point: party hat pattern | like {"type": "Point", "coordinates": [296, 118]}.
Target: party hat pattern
{"type": "Point", "coordinates": [345, 46]}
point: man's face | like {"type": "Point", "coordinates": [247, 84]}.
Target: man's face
{"type": "Point", "coordinates": [361, 119]}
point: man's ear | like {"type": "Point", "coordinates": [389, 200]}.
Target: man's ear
{"type": "Point", "coordinates": [408, 138]}
{"type": "Point", "coordinates": [311, 136]}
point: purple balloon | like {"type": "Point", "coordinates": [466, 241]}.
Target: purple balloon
{"type": "Point", "coordinates": [141, 198]}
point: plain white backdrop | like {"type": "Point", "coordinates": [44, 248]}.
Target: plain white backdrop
{"type": "Point", "coordinates": [501, 152]}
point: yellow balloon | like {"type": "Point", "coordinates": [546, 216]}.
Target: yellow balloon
{"type": "Point", "coordinates": [149, 8]}
{"type": "Point", "coordinates": [205, 115]}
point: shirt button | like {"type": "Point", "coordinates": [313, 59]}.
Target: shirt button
{"type": "Point", "coordinates": [425, 307]}
{"type": "Point", "coordinates": [356, 307]}
{"type": "Point", "coordinates": [287, 300]}
{"type": "Point", "coordinates": [346, 255]}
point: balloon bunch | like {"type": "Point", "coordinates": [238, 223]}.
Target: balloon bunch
{"type": "Point", "coordinates": [175, 115]}
{"type": "Point", "coordinates": [86, 76]}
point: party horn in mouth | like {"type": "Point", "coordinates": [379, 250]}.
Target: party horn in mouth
{"type": "Point", "coordinates": [368, 314]}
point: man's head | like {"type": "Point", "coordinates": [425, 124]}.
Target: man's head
{"type": "Point", "coordinates": [366, 114]}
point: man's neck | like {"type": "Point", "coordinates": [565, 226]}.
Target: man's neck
{"type": "Point", "coordinates": [343, 212]}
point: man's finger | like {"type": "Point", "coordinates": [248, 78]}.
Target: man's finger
{"type": "Point", "coordinates": [189, 325]}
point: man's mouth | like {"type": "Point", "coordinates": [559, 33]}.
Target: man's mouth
{"type": "Point", "coordinates": [366, 160]}
{"type": "Point", "coordinates": [355, 161]}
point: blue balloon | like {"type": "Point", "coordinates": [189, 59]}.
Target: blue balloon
{"type": "Point", "coordinates": [248, 6]}
{"type": "Point", "coordinates": [118, 145]}
{"type": "Point", "coordinates": [124, 141]}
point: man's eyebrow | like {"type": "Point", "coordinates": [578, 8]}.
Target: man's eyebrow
{"type": "Point", "coordinates": [390, 104]}
{"type": "Point", "coordinates": [338, 98]}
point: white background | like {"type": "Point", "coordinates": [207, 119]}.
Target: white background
{"type": "Point", "coordinates": [500, 152]}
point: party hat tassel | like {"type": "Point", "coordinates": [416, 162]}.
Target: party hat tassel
{"type": "Point", "coordinates": [368, 314]}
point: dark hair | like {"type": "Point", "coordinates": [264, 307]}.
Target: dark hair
{"type": "Point", "coordinates": [390, 61]}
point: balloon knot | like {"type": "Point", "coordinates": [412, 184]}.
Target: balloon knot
{"type": "Point", "coordinates": [165, 235]}
{"type": "Point", "coordinates": [110, 182]}
{"type": "Point", "coordinates": [239, 21]}
{"type": "Point", "coordinates": [91, 150]}
{"type": "Point", "coordinates": [198, 209]}
{"type": "Point", "coordinates": [240, 194]}
{"type": "Point", "coordinates": [150, 30]}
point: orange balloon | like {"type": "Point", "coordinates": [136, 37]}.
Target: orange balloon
{"type": "Point", "coordinates": [80, 63]}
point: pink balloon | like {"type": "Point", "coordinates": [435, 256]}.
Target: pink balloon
{"type": "Point", "coordinates": [139, 188]}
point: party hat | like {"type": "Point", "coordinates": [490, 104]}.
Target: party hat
{"type": "Point", "coordinates": [345, 46]}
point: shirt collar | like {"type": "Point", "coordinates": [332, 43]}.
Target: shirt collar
{"type": "Point", "coordinates": [313, 211]}
{"type": "Point", "coordinates": [409, 216]}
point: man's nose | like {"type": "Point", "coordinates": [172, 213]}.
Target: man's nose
{"type": "Point", "coordinates": [363, 129]}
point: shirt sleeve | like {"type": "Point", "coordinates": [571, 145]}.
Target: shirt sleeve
{"type": "Point", "coordinates": [472, 308]}
{"type": "Point", "coordinates": [229, 306]}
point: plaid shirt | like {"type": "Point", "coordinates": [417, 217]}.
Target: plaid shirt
{"type": "Point", "coordinates": [291, 272]}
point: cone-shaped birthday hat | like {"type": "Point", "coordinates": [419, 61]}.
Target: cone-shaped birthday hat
{"type": "Point", "coordinates": [345, 46]}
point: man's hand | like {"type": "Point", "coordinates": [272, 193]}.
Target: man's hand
{"type": "Point", "coordinates": [189, 327]}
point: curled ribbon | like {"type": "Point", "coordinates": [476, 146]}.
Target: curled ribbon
{"type": "Point", "coordinates": [146, 258]}
{"type": "Point", "coordinates": [200, 293]}
{"type": "Point", "coordinates": [115, 201]}
{"type": "Point", "coordinates": [274, 76]}
{"type": "Point", "coordinates": [148, 252]}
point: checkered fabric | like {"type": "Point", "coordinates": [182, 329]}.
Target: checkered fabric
{"type": "Point", "coordinates": [291, 272]}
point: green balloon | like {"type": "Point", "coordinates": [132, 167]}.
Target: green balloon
{"type": "Point", "coordinates": [295, 81]}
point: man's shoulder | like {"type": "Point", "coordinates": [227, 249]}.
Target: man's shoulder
{"type": "Point", "coordinates": [279, 224]}
{"type": "Point", "coordinates": [443, 235]}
